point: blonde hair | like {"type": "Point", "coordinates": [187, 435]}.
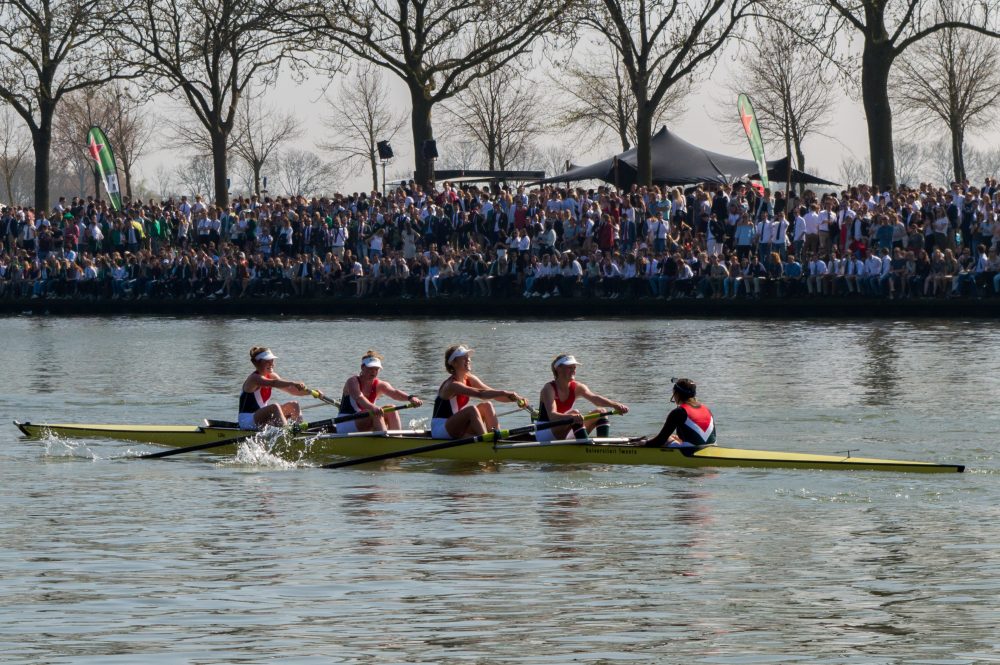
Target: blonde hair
{"type": "Point", "coordinates": [255, 351]}
{"type": "Point", "coordinates": [370, 353]}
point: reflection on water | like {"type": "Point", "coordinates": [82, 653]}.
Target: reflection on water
{"type": "Point", "coordinates": [880, 356]}
{"type": "Point", "coordinates": [209, 559]}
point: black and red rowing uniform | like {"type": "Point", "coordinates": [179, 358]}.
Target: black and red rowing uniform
{"type": "Point", "coordinates": [251, 403]}
{"type": "Point", "coordinates": [562, 406]}
{"type": "Point", "coordinates": [445, 409]}
{"type": "Point", "coordinates": [349, 406]}
{"type": "Point", "coordinates": [694, 425]}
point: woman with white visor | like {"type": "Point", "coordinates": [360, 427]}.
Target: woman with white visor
{"type": "Point", "coordinates": [557, 400]}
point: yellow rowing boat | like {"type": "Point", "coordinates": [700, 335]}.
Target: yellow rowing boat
{"type": "Point", "coordinates": [594, 451]}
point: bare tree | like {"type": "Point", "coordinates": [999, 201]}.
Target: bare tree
{"type": "Point", "coordinates": [888, 29]}
{"type": "Point", "coordinates": [436, 47]}
{"type": "Point", "coordinates": [14, 146]}
{"type": "Point", "coordinates": [949, 78]}
{"type": "Point", "coordinates": [982, 163]}
{"type": "Point", "coordinates": [854, 171]}
{"type": "Point", "coordinates": [555, 158]}
{"type": "Point", "coordinates": [463, 154]}
{"type": "Point", "coordinates": [48, 49]}
{"type": "Point", "coordinates": [303, 173]}
{"type": "Point", "coordinates": [130, 128]}
{"type": "Point", "coordinates": [660, 44]}
{"type": "Point", "coordinates": [195, 176]}
{"type": "Point", "coordinates": [259, 130]}
{"type": "Point", "coordinates": [596, 97]}
{"type": "Point", "coordinates": [361, 117]}
{"type": "Point", "coordinates": [79, 112]}
{"type": "Point", "coordinates": [910, 160]}
{"type": "Point", "coordinates": [210, 51]}
{"type": "Point", "coordinates": [790, 88]}
{"type": "Point", "coordinates": [501, 113]}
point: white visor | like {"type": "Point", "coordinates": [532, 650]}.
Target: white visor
{"type": "Point", "coordinates": [565, 360]}
{"type": "Point", "coordinates": [265, 355]}
{"type": "Point", "coordinates": [371, 361]}
{"type": "Point", "coordinates": [458, 353]}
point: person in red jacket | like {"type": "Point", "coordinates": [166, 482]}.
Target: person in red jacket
{"type": "Point", "coordinates": [690, 423]}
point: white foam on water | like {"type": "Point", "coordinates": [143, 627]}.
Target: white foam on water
{"type": "Point", "coordinates": [270, 448]}
{"type": "Point", "coordinates": [419, 423]}
{"type": "Point", "coordinates": [56, 446]}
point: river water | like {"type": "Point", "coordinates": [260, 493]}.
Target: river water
{"type": "Point", "coordinates": [207, 559]}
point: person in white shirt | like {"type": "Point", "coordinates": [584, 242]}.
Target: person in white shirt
{"type": "Point", "coordinates": [799, 231]}
{"type": "Point", "coordinates": [873, 270]}
{"type": "Point", "coordinates": [811, 220]}
{"type": "Point", "coordinates": [854, 274]}
{"type": "Point", "coordinates": [817, 273]}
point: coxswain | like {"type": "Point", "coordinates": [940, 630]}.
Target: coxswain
{"type": "Point", "coordinates": [557, 399]}
{"type": "Point", "coordinates": [454, 417]}
{"type": "Point", "coordinates": [690, 423]}
{"type": "Point", "coordinates": [361, 393]}
{"type": "Point", "coordinates": [256, 409]}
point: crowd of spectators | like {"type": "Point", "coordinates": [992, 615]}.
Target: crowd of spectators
{"type": "Point", "coordinates": [711, 241]}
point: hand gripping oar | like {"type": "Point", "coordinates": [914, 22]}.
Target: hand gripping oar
{"type": "Point", "coordinates": [521, 406]}
{"type": "Point", "coordinates": [442, 445]}
{"type": "Point", "coordinates": [315, 427]}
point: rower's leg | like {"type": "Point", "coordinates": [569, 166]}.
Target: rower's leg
{"type": "Point", "coordinates": [272, 414]}
{"type": "Point", "coordinates": [291, 411]}
{"type": "Point", "coordinates": [467, 422]}
{"type": "Point", "coordinates": [488, 415]}
{"type": "Point", "coordinates": [392, 420]}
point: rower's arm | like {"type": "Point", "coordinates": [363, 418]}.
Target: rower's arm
{"type": "Point", "coordinates": [480, 390]}
{"type": "Point", "coordinates": [353, 388]}
{"type": "Point", "coordinates": [292, 387]}
{"type": "Point", "coordinates": [597, 400]}
{"type": "Point", "coordinates": [674, 420]}
{"type": "Point", "coordinates": [384, 388]}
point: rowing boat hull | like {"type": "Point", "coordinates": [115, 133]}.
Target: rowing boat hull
{"type": "Point", "coordinates": [162, 435]}
{"type": "Point", "coordinates": [361, 445]}
{"type": "Point", "coordinates": [711, 456]}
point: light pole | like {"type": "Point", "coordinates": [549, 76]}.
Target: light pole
{"type": "Point", "coordinates": [385, 154]}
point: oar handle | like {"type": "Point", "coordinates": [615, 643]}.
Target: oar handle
{"type": "Point", "coordinates": [323, 398]}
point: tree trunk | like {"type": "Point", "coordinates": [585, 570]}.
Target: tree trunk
{"type": "Point", "coordinates": [420, 122]}
{"type": "Point", "coordinates": [800, 160]}
{"type": "Point", "coordinates": [644, 134]}
{"type": "Point", "coordinates": [256, 178]}
{"type": "Point", "coordinates": [128, 182]}
{"type": "Point", "coordinates": [220, 166]}
{"type": "Point", "coordinates": [374, 164]}
{"type": "Point", "coordinates": [41, 139]}
{"type": "Point", "coordinates": [876, 61]}
{"type": "Point", "coordinates": [957, 150]}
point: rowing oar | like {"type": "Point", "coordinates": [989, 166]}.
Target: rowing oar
{"type": "Point", "coordinates": [316, 427]}
{"type": "Point", "coordinates": [521, 406]}
{"type": "Point", "coordinates": [323, 398]}
{"type": "Point", "coordinates": [442, 445]}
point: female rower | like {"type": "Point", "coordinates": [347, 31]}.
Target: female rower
{"type": "Point", "coordinates": [360, 394]}
{"type": "Point", "coordinates": [690, 423]}
{"type": "Point", "coordinates": [454, 417]}
{"type": "Point", "coordinates": [255, 407]}
{"type": "Point", "coordinates": [558, 396]}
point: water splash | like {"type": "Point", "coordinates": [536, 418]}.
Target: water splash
{"type": "Point", "coordinates": [56, 446]}
{"type": "Point", "coordinates": [419, 423]}
{"type": "Point", "coordinates": [271, 448]}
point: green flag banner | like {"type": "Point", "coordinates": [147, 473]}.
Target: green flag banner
{"type": "Point", "coordinates": [749, 120]}
{"type": "Point", "coordinates": [104, 162]}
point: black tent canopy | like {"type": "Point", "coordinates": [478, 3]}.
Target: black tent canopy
{"type": "Point", "coordinates": [677, 162]}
